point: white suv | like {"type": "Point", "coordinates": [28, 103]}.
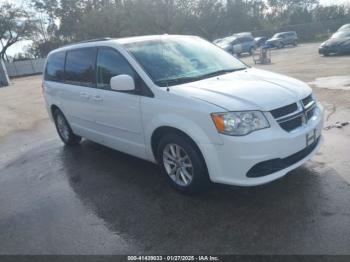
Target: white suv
{"type": "Point", "coordinates": [180, 101]}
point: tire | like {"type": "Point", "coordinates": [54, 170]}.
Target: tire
{"type": "Point", "coordinates": [189, 175]}
{"type": "Point", "coordinates": [280, 45]}
{"type": "Point", "coordinates": [251, 50]}
{"type": "Point", "coordinates": [64, 130]}
{"type": "Point", "coordinates": [295, 43]}
{"type": "Point", "coordinates": [325, 54]}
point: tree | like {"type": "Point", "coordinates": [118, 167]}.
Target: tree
{"type": "Point", "coordinates": [15, 25]}
{"type": "Point", "coordinates": [107, 22]}
{"type": "Point", "coordinates": [329, 12]}
{"type": "Point", "coordinates": [65, 21]}
{"type": "Point", "coordinates": [46, 12]}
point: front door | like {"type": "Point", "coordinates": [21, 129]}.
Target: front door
{"type": "Point", "coordinates": [117, 114]}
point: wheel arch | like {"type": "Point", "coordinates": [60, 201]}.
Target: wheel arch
{"type": "Point", "coordinates": [159, 132]}
{"type": "Point", "coordinates": [53, 108]}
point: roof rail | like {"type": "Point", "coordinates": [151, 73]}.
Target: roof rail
{"type": "Point", "coordinates": [90, 40]}
{"type": "Point", "coordinates": [95, 40]}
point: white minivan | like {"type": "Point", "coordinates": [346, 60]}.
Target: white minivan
{"type": "Point", "coordinates": [179, 101]}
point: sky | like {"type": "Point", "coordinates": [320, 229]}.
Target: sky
{"type": "Point", "coordinates": [18, 47]}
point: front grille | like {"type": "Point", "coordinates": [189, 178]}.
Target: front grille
{"type": "Point", "coordinates": [292, 124]}
{"type": "Point", "coordinates": [307, 100]}
{"type": "Point", "coordinates": [292, 116]}
{"type": "Point", "coordinates": [310, 113]}
{"type": "Point", "coordinates": [274, 165]}
{"type": "Point", "coordinates": [286, 110]}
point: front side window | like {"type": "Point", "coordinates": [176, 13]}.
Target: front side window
{"type": "Point", "coordinates": [110, 63]}
{"type": "Point", "coordinates": [172, 61]}
{"type": "Point", "coordinates": [80, 67]}
{"type": "Point", "coordinates": [279, 35]}
{"type": "Point", "coordinates": [55, 67]}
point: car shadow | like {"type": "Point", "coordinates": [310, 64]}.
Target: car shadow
{"type": "Point", "coordinates": [336, 55]}
{"type": "Point", "coordinates": [135, 200]}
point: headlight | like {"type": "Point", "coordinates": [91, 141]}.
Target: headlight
{"type": "Point", "coordinates": [239, 123]}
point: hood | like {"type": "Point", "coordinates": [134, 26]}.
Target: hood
{"type": "Point", "coordinates": [250, 89]}
{"type": "Point", "coordinates": [336, 41]}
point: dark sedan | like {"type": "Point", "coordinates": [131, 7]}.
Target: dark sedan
{"type": "Point", "coordinates": [344, 27]}
{"type": "Point", "coordinates": [339, 43]}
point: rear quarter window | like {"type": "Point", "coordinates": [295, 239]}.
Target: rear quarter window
{"type": "Point", "coordinates": [55, 67]}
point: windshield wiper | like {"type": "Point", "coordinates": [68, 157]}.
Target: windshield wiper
{"type": "Point", "coordinates": [187, 79]}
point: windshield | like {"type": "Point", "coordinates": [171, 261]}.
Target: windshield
{"type": "Point", "coordinates": [341, 34]}
{"type": "Point", "coordinates": [277, 35]}
{"type": "Point", "coordinates": [227, 40]}
{"type": "Point", "coordinates": [347, 26]}
{"type": "Point", "coordinates": [172, 61]}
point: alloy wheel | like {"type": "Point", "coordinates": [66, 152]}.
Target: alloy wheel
{"type": "Point", "coordinates": [62, 127]}
{"type": "Point", "coordinates": [178, 164]}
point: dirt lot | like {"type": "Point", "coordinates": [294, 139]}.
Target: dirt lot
{"type": "Point", "coordinates": [93, 200]}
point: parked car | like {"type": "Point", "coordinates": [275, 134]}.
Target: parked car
{"type": "Point", "coordinates": [184, 103]}
{"type": "Point", "coordinates": [241, 34]}
{"type": "Point", "coordinates": [339, 43]}
{"type": "Point", "coordinates": [217, 40]}
{"type": "Point", "coordinates": [238, 44]}
{"type": "Point", "coordinates": [260, 41]}
{"type": "Point", "coordinates": [280, 40]}
{"type": "Point", "coordinates": [344, 27]}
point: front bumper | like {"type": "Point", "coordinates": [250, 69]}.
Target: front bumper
{"type": "Point", "coordinates": [232, 163]}
{"type": "Point", "coordinates": [329, 50]}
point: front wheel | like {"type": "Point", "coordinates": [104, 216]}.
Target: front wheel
{"type": "Point", "coordinates": [182, 163]}
{"type": "Point", "coordinates": [64, 130]}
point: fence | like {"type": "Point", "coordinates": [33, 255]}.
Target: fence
{"type": "Point", "coordinates": [27, 67]}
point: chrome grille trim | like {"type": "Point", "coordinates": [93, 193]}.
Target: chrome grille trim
{"type": "Point", "coordinates": [285, 119]}
{"type": "Point", "coordinates": [310, 104]}
{"type": "Point", "coordinates": [304, 107]}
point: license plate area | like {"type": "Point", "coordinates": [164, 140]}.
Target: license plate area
{"type": "Point", "coordinates": [311, 137]}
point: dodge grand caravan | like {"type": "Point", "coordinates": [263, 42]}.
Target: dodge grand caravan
{"type": "Point", "coordinates": [180, 101]}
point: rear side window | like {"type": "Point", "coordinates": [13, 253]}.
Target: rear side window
{"type": "Point", "coordinates": [111, 63]}
{"type": "Point", "coordinates": [80, 67]}
{"type": "Point", "coordinates": [55, 67]}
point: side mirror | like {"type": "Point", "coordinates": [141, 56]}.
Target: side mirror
{"type": "Point", "coordinates": [122, 83]}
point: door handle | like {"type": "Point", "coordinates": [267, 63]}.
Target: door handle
{"type": "Point", "coordinates": [97, 98]}
{"type": "Point", "coordinates": [85, 95]}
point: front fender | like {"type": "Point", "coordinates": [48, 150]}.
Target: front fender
{"type": "Point", "coordinates": [200, 134]}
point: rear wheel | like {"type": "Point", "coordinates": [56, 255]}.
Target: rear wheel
{"type": "Point", "coordinates": [182, 163]}
{"type": "Point", "coordinates": [64, 130]}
